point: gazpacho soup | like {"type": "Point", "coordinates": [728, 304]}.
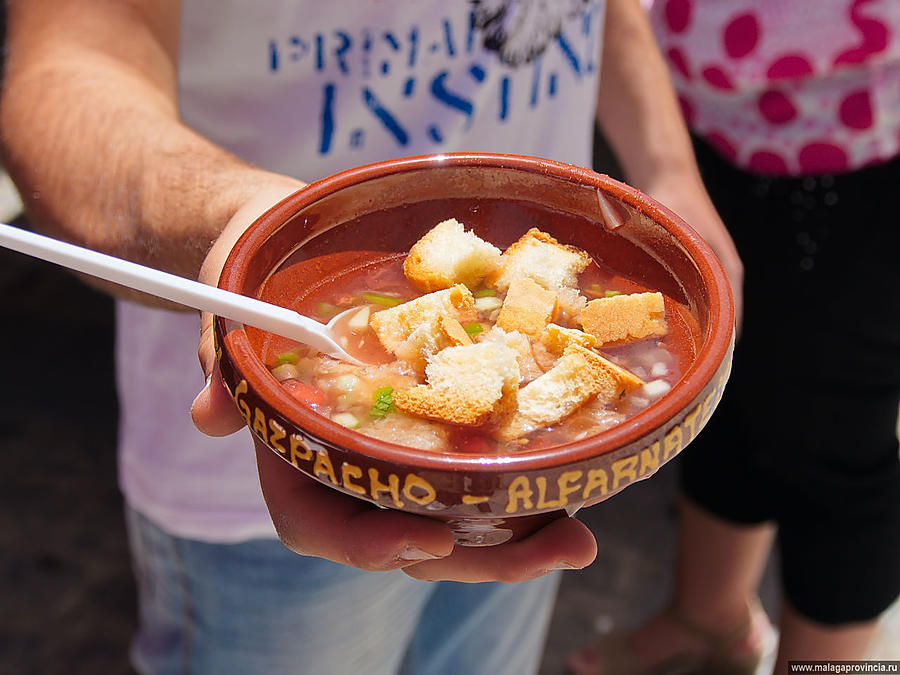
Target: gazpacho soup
{"type": "Point", "coordinates": [477, 350]}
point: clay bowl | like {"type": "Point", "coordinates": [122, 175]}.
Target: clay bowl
{"type": "Point", "coordinates": [363, 214]}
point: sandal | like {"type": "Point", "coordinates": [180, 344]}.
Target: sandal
{"type": "Point", "coordinates": [612, 654]}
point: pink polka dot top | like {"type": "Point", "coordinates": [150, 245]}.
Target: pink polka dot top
{"type": "Point", "coordinates": [787, 87]}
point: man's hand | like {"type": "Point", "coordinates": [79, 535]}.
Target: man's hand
{"type": "Point", "coordinates": [313, 519]}
{"type": "Point", "coordinates": [316, 520]}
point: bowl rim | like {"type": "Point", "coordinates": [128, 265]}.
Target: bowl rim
{"type": "Point", "coordinates": [715, 342]}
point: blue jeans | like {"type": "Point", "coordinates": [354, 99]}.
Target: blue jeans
{"type": "Point", "coordinates": [256, 607]}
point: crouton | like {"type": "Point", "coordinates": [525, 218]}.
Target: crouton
{"type": "Point", "coordinates": [571, 302]}
{"type": "Point", "coordinates": [527, 308]}
{"type": "Point", "coordinates": [557, 338]}
{"type": "Point", "coordinates": [539, 257]}
{"type": "Point", "coordinates": [470, 385]}
{"type": "Point", "coordinates": [449, 255]}
{"type": "Point", "coordinates": [625, 317]}
{"type": "Point", "coordinates": [395, 325]}
{"type": "Point", "coordinates": [454, 332]}
{"type": "Point", "coordinates": [528, 366]}
{"type": "Point", "coordinates": [615, 381]}
{"type": "Point", "coordinates": [577, 376]}
{"type": "Point", "coordinates": [430, 337]}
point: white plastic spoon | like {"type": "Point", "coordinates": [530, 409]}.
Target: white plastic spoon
{"type": "Point", "coordinates": [268, 317]}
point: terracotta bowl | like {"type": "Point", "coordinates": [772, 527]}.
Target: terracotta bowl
{"type": "Point", "coordinates": [367, 213]}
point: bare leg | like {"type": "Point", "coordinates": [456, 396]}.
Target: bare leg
{"type": "Point", "coordinates": [719, 569]}
{"type": "Point", "coordinates": [719, 566]}
{"type": "Point", "coordinates": [803, 639]}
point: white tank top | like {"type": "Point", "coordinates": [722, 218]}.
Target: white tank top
{"type": "Point", "coordinates": [307, 89]}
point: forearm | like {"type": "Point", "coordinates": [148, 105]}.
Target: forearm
{"type": "Point", "coordinates": [639, 114]}
{"type": "Point", "coordinates": [92, 138]}
{"type": "Point", "coordinates": [637, 109]}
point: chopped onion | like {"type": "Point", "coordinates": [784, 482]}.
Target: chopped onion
{"type": "Point", "coordinates": [346, 383]}
{"type": "Point", "coordinates": [359, 322]}
{"type": "Point", "coordinates": [346, 419]}
{"type": "Point", "coordinates": [656, 388]}
{"type": "Point", "coordinates": [344, 402]}
{"type": "Point", "coordinates": [488, 303]}
{"type": "Point", "coordinates": [285, 371]}
{"type": "Point", "coordinates": [659, 369]}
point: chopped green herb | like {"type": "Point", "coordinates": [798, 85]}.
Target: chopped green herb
{"type": "Point", "coordinates": [622, 394]}
{"type": "Point", "coordinates": [381, 299]}
{"type": "Point", "coordinates": [384, 402]}
{"type": "Point", "coordinates": [288, 357]}
{"type": "Point", "coordinates": [485, 292]}
{"type": "Point", "coordinates": [473, 328]}
{"type": "Point", "coordinates": [612, 294]}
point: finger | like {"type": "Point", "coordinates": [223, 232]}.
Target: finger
{"type": "Point", "coordinates": [314, 519]}
{"type": "Point", "coordinates": [565, 543]}
{"type": "Point", "coordinates": [213, 411]}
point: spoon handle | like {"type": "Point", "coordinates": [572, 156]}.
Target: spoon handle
{"type": "Point", "coordinates": [271, 318]}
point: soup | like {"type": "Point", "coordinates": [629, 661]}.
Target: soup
{"type": "Point", "coordinates": [403, 396]}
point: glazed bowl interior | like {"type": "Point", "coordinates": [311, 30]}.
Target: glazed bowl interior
{"type": "Point", "coordinates": [357, 218]}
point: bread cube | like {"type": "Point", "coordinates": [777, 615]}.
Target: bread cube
{"type": "Point", "coordinates": [578, 376]}
{"type": "Point", "coordinates": [557, 338]}
{"type": "Point", "coordinates": [623, 318]}
{"type": "Point", "coordinates": [527, 308]}
{"type": "Point", "coordinates": [469, 385]}
{"type": "Point", "coordinates": [521, 345]}
{"type": "Point", "coordinates": [539, 257]}
{"type": "Point", "coordinates": [395, 325]}
{"type": "Point", "coordinates": [449, 255]}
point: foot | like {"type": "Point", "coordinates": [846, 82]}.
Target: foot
{"type": "Point", "coordinates": [667, 641]}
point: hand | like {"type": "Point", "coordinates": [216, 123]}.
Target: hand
{"type": "Point", "coordinates": [316, 520]}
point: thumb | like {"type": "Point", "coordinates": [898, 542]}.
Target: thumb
{"type": "Point", "coordinates": [213, 410]}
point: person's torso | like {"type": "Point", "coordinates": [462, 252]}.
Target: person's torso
{"type": "Point", "coordinates": [787, 86]}
{"type": "Point", "coordinates": [308, 89]}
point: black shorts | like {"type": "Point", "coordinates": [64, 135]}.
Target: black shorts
{"type": "Point", "coordinates": [806, 433]}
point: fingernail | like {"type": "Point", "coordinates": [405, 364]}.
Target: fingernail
{"type": "Point", "coordinates": [415, 554]}
{"type": "Point", "coordinates": [562, 565]}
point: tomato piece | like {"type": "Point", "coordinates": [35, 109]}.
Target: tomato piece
{"type": "Point", "coordinates": [307, 394]}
